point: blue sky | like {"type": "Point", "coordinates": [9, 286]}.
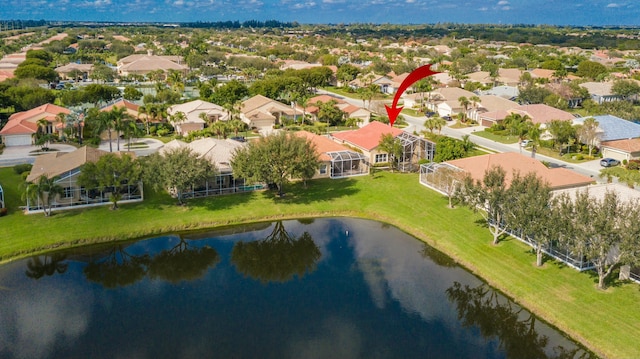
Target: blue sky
{"type": "Point", "coordinates": [554, 12]}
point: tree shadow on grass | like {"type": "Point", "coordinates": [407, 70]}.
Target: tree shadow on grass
{"type": "Point", "coordinates": [315, 191]}
{"type": "Point", "coordinates": [611, 281]}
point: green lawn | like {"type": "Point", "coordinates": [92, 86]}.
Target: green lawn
{"type": "Point", "coordinates": [608, 321]}
{"type": "Point", "coordinates": [500, 139]}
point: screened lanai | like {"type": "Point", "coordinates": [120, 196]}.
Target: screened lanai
{"type": "Point", "coordinates": [414, 148]}
{"type": "Point", "coordinates": [1, 198]}
{"type": "Point", "coordinates": [347, 163]}
{"type": "Point", "coordinates": [441, 177]}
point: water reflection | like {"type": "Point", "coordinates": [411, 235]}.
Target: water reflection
{"type": "Point", "coordinates": [498, 318]}
{"type": "Point", "coordinates": [119, 268]}
{"type": "Point", "coordinates": [278, 257]}
{"type": "Point", "coordinates": [47, 265]}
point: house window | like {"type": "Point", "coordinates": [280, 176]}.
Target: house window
{"type": "Point", "coordinates": [381, 158]}
{"type": "Point", "coordinates": [68, 192]}
{"type": "Point", "coordinates": [323, 169]}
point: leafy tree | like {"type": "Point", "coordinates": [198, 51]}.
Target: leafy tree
{"type": "Point", "coordinates": [36, 72]}
{"type": "Point", "coordinates": [530, 213]}
{"type": "Point", "coordinates": [605, 231]}
{"type": "Point", "coordinates": [393, 147]}
{"type": "Point", "coordinates": [562, 132]}
{"type": "Point", "coordinates": [103, 72]}
{"type": "Point", "coordinates": [328, 112]}
{"type": "Point", "coordinates": [43, 192]}
{"type": "Point", "coordinates": [231, 92]}
{"type": "Point", "coordinates": [347, 73]}
{"type": "Point", "coordinates": [96, 93]}
{"type": "Point", "coordinates": [24, 98]}
{"type": "Point", "coordinates": [132, 94]}
{"type": "Point", "coordinates": [490, 197]}
{"type": "Point", "coordinates": [464, 102]}
{"type": "Point", "coordinates": [627, 89]}
{"type": "Point", "coordinates": [588, 133]}
{"type": "Point", "coordinates": [274, 159]}
{"type": "Point", "coordinates": [591, 70]}
{"type": "Point", "coordinates": [99, 122]}
{"type": "Point", "coordinates": [448, 149]}
{"type": "Point", "coordinates": [532, 94]}
{"type": "Point", "coordinates": [112, 173]}
{"type": "Point", "coordinates": [177, 170]}
{"type": "Point", "coordinates": [518, 126]}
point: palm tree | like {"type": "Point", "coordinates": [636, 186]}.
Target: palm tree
{"type": "Point", "coordinates": [220, 129]}
{"type": "Point", "coordinates": [534, 134]}
{"type": "Point", "coordinates": [119, 116]}
{"type": "Point", "coordinates": [475, 101]}
{"type": "Point", "coordinates": [464, 102]}
{"type": "Point", "coordinates": [61, 118]}
{"type": "Point", "coordinates": [392, 146]}
{"type": "Point", "coordinates": [43, 191]}
{"type": "Point", "coordinates": [236, 126]}
{"type": "Point", "coordinates": [100, 122]}
{"type": "Point", "coordinates": [518, 126]}
{"type": "Point", "coordinates": [205, 117]}
{"type": "Point", "coordinates": [142, 110]}
{"type": "Point", "coordinates": [42, 135]}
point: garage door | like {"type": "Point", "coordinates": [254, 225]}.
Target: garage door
{"type": "Point", "coordinates": [17, 140]}
{"type": "Point", "coordinates": [618, 155]}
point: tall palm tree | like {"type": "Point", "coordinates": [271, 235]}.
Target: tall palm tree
{"type": "Point", "coordinates": [43, 192]}
{"type": "Point", "coordinates": [220, 129]}
{"type": "Point", "coordinates": [475, 101]}
{"type": "Point", "coordinates": [519, 126]}
{"type": "Point", "coordinates": [236, 126]}
{"type": "Point", "coordinates": [119, 116]}
{"type": "Point", "coordinates": [61, 118]}
{"type": "Point", "coordinates": [464, 102]}
{"type": "Point", "coordinates": [100, 122]}
{"type": "Point", "coordinates": [142, 110]}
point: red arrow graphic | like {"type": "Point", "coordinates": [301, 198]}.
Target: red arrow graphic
{"type": "Point", "coordinates": [417, 74]}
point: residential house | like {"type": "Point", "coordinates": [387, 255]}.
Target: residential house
{"type": "Point", "coordinates": [383, 82]}
{"type": "Point", "coordinates": [67, 167]}
{"type": "Point", "coordinates": [336, 160]}
{"type": "Point", "coordinates": [131, 108]}
{"type": "Point", "coordinates": [492, 105]}
{"type": "Point", "coordinates": [194, 120]}
{"type": "Point", "coordinates": [21, 126]}
{"type": "Point", "coordinates": [362, 115]}
{"type": "Point", "coordinates": [542, 114]}
{"type": "Point", "coordinates": [482, 77]}
{"type": "Point", "coordinates": [601, 92]}
{"type": "Point", "coordinates": [140, 64]}
{"type": "Point", "coordinates": [504, 91]}
{"type": "Point", "coordinates": [617, 138]}
{"type": "Point", "coordinates": [612, 127]}
{"type": "Point", "coordinates": [621, 150]}
{"type": "Point", "coordinates": [263, 113]}
{"type": "Point", "coordinates": [367, 140]}
{"type": "Point", "coordinates": [219, 152]}
{"type": "Point", "coordinates": [445, 101]}
{"type": "Point", "coordinates": [75, 72]}
{"type": "Point", "coordinates": [509, 77]}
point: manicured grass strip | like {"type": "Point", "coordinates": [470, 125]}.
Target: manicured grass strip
{"type": "Point", "coordinates": [608, 322]}
{"type": "Point", "coordinates": [497, 138]}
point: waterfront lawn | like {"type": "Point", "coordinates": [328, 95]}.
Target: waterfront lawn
{"type": "Point", "coordinates": [606, 321]}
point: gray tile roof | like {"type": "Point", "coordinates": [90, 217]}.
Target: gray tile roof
{"type": "Point", "coordinates": [613, 128]}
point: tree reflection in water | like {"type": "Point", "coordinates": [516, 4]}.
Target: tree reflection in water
{"type": "Point", "coordinates": [47, 266]}
{"type": "Point", "coordinates": [497, 317]}
{"type": "Point", "coordinates": [117, 268]}
{"type": "Point", "coordinates": [181, 263]}
{"type": "Point", "coordinates": [278, 257]}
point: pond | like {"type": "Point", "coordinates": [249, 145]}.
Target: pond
{"type": "Point", "coordinates": [323, 288]}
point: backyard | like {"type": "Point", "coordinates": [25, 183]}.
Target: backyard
{"type": "Point", "coordinates": [605, 321]}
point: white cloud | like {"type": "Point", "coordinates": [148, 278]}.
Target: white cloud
{"type": "Point", "coordinates": [613, 5]}
{"type": "Point", "coordinates": [503, 2]}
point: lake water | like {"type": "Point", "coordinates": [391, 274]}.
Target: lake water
{"type": "Point", "coordinates": [323, 288]}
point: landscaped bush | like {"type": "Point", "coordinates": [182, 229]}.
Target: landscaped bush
{"type": "Point", "coordinates": [22, 168]}
{"type": "Point", "coordinates": [633, 165]}
{"type": "Point", "coordinates": [3, 212]}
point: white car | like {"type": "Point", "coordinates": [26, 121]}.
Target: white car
{"type": "Point", "coordinates": [525, 143]}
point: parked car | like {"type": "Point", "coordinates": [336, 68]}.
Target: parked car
{"type": "Point", "coordinates": [609, 162]}
{"type": "Point", "coordinates": [525, 143]}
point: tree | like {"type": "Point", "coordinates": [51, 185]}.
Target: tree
{"type": "Point", "coordinates": [96, 93]}
{"type": "Point", "coordinates": [177, 170]}
{"type": "Point", "coordinates": [231, 92]}
{"type": "Point", "coordinates": [119, 116]}
{"type": "Point", "coordinates": [588, 133]}
{"type": "Point", "coordinates": [132, 94]}
{"type": "Point", "coordinates": [111, 173]}
{"type": "Point", "coordinates": [518, 126]}
{"type": "Point", "coordinates": [393, 147]}
{"type": "Point", "coordinates": [103, 72]}
{"type": "Point", "coordinates": [436, 122]}
{"type": "Point", "coordinates": [36, 72]}
{"type": "Point", "coordinates": [490, 197]}
{"type": "Point", "coordinates": [220, 129]}
{"type": "Point", "coordinates": [274, 159]}
{"type": "Point", "coordinates": [101, 121]}
{"type": "Point", "coordinates": [464, 102]}
{"type": "Point", "coordinates": [562, 132]}
{"type": "Point", "coordinates": [627, 89]}
{"type": "Point", "coordinates": [605, 232]}
{"type": "Point", "coordinates": [43, 192]}
{"type": "Point", "coordinates": [328, 112]}
{"type": "Point", "coordinates": [530, 213]}
{"type": "Point", "coordinates": [591, 70]}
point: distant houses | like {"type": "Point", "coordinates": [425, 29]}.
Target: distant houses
{"type": "Point", "coordinates": [21, 126]}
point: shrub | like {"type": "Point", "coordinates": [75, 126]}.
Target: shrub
{"type": "Point", "coordinates": [22, 168]}
{"type": "Point", "coordinates": [633, 165]}
{"type": "Point", "coordinates": [3, 212]}
{"type": "Point", "coordinates": [624, 162]}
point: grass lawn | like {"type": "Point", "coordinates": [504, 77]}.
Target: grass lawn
{"type": "Point", "coordinates": [608, 322]}
{"type": "Point", "coordinates": [500, 139]}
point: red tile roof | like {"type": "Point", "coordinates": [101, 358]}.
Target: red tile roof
{"type": "Point", "coordinates": [557, 178]}
{"type": "Point", "coordinates": [368, 137]}
{"type": "Point", "coordinates": [627, 145]}
{"type": "Point", "coordinates": [25, 122]}
{"type": "Point", "coordinates": [323, 144]}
